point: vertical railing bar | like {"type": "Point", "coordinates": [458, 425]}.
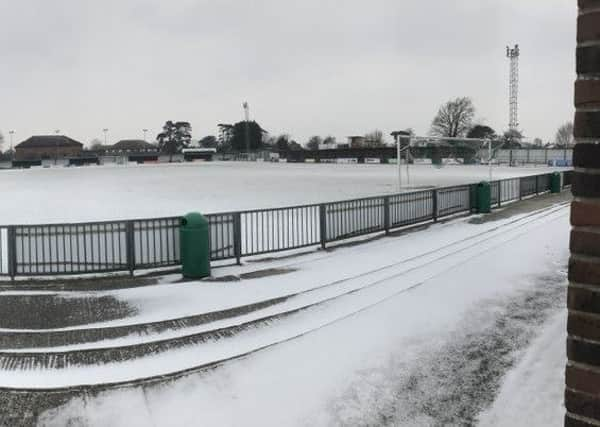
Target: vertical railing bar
{"type": "Point", "coordinates": [64, 247]}
{"type": "Point", "coordinates": [2, 271]}
{"type": "Point", "coordinates": [162, 226]}
{"type": "Point", "coordinates": [146, 233]}
{"type": "Point", "coordinates": [435, 207]}
{"type": "Point", "coordinates": [174, 232]}
{"type": "Point", "coordinates": [29, 269]}
{"type": "Point", "coordinates": [323, 225]}
{"type": "Point", "coordinates": [112, 245]}
{"type": "Point", "coordinates": [386, 214]}
{"type": "Point", "coordinates": [12, 251]}
{"type": "Point", "coordinates": [152, 233]}
{"type": "Point", "coordinates": [499, 193]}
{"type": "Point", "coordinates": [237, 237]}
{"type": "Point", "coordinates": [53, 258]}
{"type": "Point", "coordinates": [44, 241]}
{"type": "Point", "coordinates": [130, 247]}
{"type": "Point", "coordinates": [98, 258]}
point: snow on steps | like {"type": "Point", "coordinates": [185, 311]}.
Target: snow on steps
{"type": "Point", "coordinates": [170, 356]}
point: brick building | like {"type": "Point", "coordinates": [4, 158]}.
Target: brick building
{"type": "Point", "coordinates": [582, 394]}
{"type": "Point", "coordinates": [132, 146]}
{"type": "Point", "coordinates": [47, 147]}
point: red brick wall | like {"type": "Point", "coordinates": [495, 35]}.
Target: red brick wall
{"type": "Point", "coordinates": [582, 394]}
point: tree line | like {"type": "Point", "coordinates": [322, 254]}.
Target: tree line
{"type": "Point", "coordinates": [456, 119]}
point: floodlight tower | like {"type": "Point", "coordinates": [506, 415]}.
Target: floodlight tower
{"type": "Point", "coordinates": [246, 125]}
{"type": "Point", "coordinates": [513, 89]}
{"type": "Point", "coordinates": [11, 133]}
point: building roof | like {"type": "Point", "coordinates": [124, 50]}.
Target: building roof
{"type": "Point", "coordinates": [45, 141]}
{"type": "Point", "coordinates": [132, 145]}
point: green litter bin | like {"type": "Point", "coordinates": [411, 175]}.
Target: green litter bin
{"type": "Point", "coordinates": [555, 183]}
{"type": "Point", "coordinates": [194, 245]}
{"type": "Point", "coordinates": [484, 197]}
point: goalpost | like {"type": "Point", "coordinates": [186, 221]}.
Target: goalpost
{"type": "Point", "coordinates": [410, 139]}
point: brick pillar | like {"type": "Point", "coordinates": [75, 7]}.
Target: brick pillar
{"type": "Point", "coordinates": [582, 394]}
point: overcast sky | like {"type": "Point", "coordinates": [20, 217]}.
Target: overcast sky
{"type": "Point", "coordinates": [306, 67]}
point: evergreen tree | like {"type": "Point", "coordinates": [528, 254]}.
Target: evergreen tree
{"type": "Point", "coordinates": [174, 137]}
{"type": "Point", "coordinates": [314, 142]}
{"type": "Point", "coordinates": [255, 136]}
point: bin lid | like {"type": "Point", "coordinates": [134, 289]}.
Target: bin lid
{"type": "Point", "coordinates": [194, 220]}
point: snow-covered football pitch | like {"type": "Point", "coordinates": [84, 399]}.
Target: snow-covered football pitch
{"type": "Point", "coordinates": [49, 195]}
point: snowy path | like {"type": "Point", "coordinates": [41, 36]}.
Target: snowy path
{"type": "Point", "coordinates": [431, 356]}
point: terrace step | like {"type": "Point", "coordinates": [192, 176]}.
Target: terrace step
{"type": "Point", "coordinates": [66, 337]}
{"type": "Point", "coordinates": [49, 310]}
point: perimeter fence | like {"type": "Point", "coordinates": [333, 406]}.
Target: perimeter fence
{"type": "Point", "coordinates": [142, 244]}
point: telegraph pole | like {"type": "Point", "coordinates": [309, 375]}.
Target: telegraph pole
{"type": "Point", "coordinates": [105, 130]}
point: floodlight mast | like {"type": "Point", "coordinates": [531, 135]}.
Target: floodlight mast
{"type": "Point", "coordinates": [246, 125]}
{"type": "Point", "coordinates": [513, 55]}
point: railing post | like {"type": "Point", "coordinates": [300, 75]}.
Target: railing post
{"type": "Point", "coordinates": [537, 185]}
{"type": "Point", "coordinates": [130, 246]}
{"type": "Point", "coordinates": [434, 200]}
{"type": "Point", "coordinates": [12, 251]}
{"type": "Point", "coordinates": [520, 189]}
{"type": "Point", "coordinates": [386, 214]}
{"type": "Point", "coordinates": [473, 199]}
{"type": "Point", "coordinates": [323, 224]}
{"type": "Point", "coordinates": [499, 193]}
{"type": "Point", "coordinates": [237, 237]}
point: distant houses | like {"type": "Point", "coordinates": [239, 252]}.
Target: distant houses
{"type": "Point", "coordinates": [42, 147]}
{"type": "Point", "coordinates": [60, 150]}
{"type": "Point", "coordinates": [132, 146]}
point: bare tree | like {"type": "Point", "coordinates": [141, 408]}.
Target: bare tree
{"type": "Point", "coordinates": [454, 118]}
{"type": "Point", "coordinates": [1, 141]}
{"type": "Point", "coordinates": [96, 145]}
{"type": "Point", "coordinates": [374, 139]}
{"type": "Point", "coordinates": [564, 135]}
{"type": "Point", "coordinates": [314, 142]}
{"type": "Point", "coordinates": [329, 140]}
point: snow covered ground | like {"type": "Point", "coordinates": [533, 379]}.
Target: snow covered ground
{"type": "Point", "coordinates": [536, 386]}
{"type": "Point", "coordinates": [120, 192]}
{"type": "Point", "coordinates": [434, 354]}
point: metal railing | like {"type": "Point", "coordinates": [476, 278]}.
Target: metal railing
{"type": "Point", "coordinates": [129, 245]}
{"type": "Point", "coordinates": [273, 230]}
